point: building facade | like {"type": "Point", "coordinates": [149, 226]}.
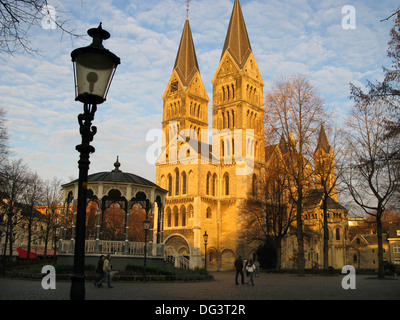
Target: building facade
{"type": "Point", "coordinates": [209, 174]}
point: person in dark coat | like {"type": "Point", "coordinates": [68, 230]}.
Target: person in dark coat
{"type": "Point", "coordinates": [99, 269]}
{"type": "Point", "coordinates": [239, 269]}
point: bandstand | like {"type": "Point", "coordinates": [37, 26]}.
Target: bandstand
{"type": "Point", "coordinates": [117, 205]}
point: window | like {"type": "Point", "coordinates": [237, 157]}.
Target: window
{"type": "Point", "coordinates": [176, 182]}
{"type": "Point", "coordinates": [183, 214]}
{"type": "Point", "coordinates": [396, 248]}
{"type": "Point", "coordinates": [168, 217]}
{"type": "Point", "coordinates": [169, 185]}
{"type": "Point", "coordinates": [208, 183]}
{"type": "Point", "coordinates": [176, 216]}
{"type": "Point", "coordinates": [214, 185]}
{"type": "Point", "coordinates": [183, 183]}
{"type": "Point", "coordinates": [226, 184]}
{"type": "Point", "coordinates": [337, 234]}
{"type": "Point", "coordinates": [208, 213]}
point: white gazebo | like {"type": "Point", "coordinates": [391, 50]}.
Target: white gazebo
{"type": "Point", "coordinates": [118, 203]}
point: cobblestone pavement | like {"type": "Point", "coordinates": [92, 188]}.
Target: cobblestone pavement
{"type": "Point", "coordinates": [267, 287]}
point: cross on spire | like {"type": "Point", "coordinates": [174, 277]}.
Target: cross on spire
{"type": "Point", "coordinates": [187, 8]}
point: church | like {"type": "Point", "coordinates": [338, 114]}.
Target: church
{"type": "Point", "coordinates": [209, 171]}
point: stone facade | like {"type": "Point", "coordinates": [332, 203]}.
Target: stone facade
{"type": "Point", "coordinates": [209, 173]}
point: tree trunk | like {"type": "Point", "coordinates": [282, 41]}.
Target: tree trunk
{"type": "Point", "coordinates": [278, 254]}
{"type": "Point", "coordinates": [326, 233]}
{"type": "Point", "coordinates": [300, 241]}
{"type": "Point", "coordinates": [381, 271]}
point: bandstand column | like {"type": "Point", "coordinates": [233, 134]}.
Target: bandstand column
{"type": "Point", "coordinates": [98, 213]}
{"type": "Point", "coordinates": [72, 247]}
{"type": "Point", "coordinates": [126, 251]}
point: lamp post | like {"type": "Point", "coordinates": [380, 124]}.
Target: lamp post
{"type": "Point", "coordinates": [94, 68]}
{"type": "Point", "coordinates": [2, 228]}
{"type": "Point", "coordinates": [146, 225]}
{"type": "Point", "coordinates": [205, 238]}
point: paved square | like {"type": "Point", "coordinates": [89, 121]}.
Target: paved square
{"type": "Point", "coordinates": [267, 287]}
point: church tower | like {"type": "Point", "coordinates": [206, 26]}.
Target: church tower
{"type": "Point", "coordinates": [324, 162]}
{"type": "Point", "coordinates": [238, 100]}
{"type": "Point", "coordinates": [206, 188]}
{"type": "Point", "coordinates": [185, 98]}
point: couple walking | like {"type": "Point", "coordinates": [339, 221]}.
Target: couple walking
{"type": "Point", "coordinates": [104, 271]}
{"type": "Point", "coordinates": [250, 269]}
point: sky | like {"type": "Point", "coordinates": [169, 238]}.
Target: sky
{"type": "Point", "coordinates": [309, 37]}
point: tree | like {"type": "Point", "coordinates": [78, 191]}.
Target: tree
{"type": "Point", "coordinates": [3, 137]}
{"type": "Point", "coordinates": [52, 199]}
{"type": "Point", "coordinates": [14, 180]}
{"type": "Point", "coordinates": [113, 227]}
{"type": "Point", "coordinates": [294, 111]}
{"type": "Point", "coordinates": [388, 90]}
{"type": "Point", "coordinates": [17, 18]}
{"type": "Point", "coordinates": [375, 121]}
{"type": "Point", "coordinates": [32, 196]}
{"type": "Point", "coordinates": [267, 213]}
{"type": "Point", "coordinates": [373, 175]}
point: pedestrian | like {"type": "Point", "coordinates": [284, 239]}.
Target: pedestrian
{"type": "Point", "coordinates": [250, 267]}
{"type": "Point", "coordinates": [239, 269]}
{"type": "Point", "coordinates": [99, 269]}
{"type": "Point", "coordinates": [257, 271]}
{"type": "Point", "coordinates": [107, 272]}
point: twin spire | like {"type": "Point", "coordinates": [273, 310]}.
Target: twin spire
{"type": "Point", "coordinates": [237, 43]}
{"type": "Point", "coordinates": [186, 64]}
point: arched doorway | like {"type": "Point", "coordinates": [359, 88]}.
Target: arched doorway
{"type": "Point", "coordinates": [227, 259]}
{"type": "Point", "coordinates": [212, 259]}
{"type": "Point", "coordinates": [179, 244]}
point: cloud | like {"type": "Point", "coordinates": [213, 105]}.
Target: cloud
{"type": "Point", "coordinates": [287, 37]}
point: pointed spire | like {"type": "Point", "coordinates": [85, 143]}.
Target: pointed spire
{"type": "Point", "coordinates": [237, 41]}
{"type": "Point", "coordinates": [323, 140]}
{"type": "Point", "coordinates": [186, 61]}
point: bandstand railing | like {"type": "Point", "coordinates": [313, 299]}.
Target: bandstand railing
{"type": "Point", "coordinates": [134, 249]}
{"type": "Point", "coordinates": [114, 247]}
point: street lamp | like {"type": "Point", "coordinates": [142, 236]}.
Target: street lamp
{"type": "Point", "coordinates": [205, 238]}
{"type": "Point", "coordinates": [94, 68]}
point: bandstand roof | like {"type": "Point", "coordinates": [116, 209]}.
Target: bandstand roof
{"type": "Point", "coordinates": [118, 176]}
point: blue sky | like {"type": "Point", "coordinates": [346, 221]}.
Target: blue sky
{"type": "Point", "coordinates": [287, 37]}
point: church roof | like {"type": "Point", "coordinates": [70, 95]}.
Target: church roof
{"type": "Point", "coordinates": [314, 199]}
{"type": "Point", "coordinates": [237, 41]}
{"type": "Point", "coordinates": [186, 64]}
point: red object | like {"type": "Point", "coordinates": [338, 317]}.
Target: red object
{"type": "Point", "coordinates": [23, 253]}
